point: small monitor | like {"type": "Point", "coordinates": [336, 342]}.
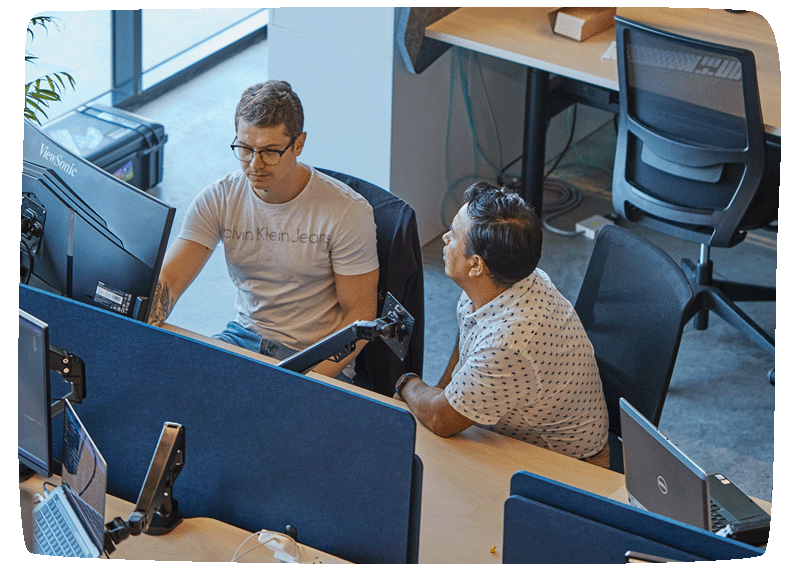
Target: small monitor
{"type": "Point", "coordinates": [33, 399]}
{"type": "Point", "coordinates": [87, 235]}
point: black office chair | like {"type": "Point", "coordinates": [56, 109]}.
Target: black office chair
{"type": "Point", "coordinates": [400, 263]}
{"type": "Point", "coordinates": [633, 303]}
{"type": "Point", "coordinates": [692, 158]}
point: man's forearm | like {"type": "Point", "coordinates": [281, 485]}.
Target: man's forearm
{"type": "Point", "coordinates": [430, 405]}
{"type": "Point", "coordinates": [182, 264]}
{"type": "Point", "coordinates": [162, 304]}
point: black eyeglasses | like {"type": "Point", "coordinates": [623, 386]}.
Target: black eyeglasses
{"type": "Point", "coordinates": [269, 157]}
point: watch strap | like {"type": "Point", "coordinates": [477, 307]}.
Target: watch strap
{"type": "Point", "coordinates": [403, 380]}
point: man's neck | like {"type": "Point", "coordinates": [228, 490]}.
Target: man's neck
{"type": "Point", "coordinates": [287, 189]}
{"type": "Point", "coordinates": [483, 292]}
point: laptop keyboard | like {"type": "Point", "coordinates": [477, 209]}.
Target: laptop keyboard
{"type": "Point", "coordinates": [53, 531]}
{"type": "Point", "coordinates": [92, 519]}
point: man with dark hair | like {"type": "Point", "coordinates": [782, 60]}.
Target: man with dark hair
{"type": "Point", "coordinates": [300, 246]}
{"type": "Point", "coordinates": [523, 365]}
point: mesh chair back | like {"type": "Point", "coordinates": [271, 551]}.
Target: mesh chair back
{"type": "Point", "coordinates": [401, 274]}
{"type": "Point", "coordinates": [632, 303]}
{"type": "Point", "coordinates": [691, 146]}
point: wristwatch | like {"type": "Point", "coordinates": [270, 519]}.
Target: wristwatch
{"type": "Point", "coordinates": [402, 381]}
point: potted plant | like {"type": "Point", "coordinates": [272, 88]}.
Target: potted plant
{"type": "Point", "coordinates": [40, 92]}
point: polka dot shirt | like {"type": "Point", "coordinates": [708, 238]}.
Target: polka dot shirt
{"type": "Point", "coordinates": [527, 370]}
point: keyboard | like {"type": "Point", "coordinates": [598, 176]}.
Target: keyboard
{"type": "Point", "coordinates": [92, 519]}
{"type": "Point", "coordinates": [54, 531]}
{"type": "Point", "coordinates": [702, 64]}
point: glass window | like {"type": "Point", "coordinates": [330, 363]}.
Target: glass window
{"type": "Point", "coordinates": [173, 41]}
{"type": "Point", "coordinates": [167, 33]}
{"type": "Point", "coordinates": [78, 42]}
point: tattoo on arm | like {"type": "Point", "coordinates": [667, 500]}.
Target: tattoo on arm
{"type": "Point", "coordinates": [162, 305]}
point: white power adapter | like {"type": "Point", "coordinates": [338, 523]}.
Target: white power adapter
{"type": "Point", "coordinates": [591, 226]}
{"type": "Point", "coordinates": [284, 547]}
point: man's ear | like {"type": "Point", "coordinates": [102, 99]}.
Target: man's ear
{"type": "Point", "coordinates": [477, 267]}
{"type": "Point", "coordinates": [299, 143]}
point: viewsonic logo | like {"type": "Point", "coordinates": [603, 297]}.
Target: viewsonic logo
{"type": "Point", "coordinates": [57, 161]}
{"type": "Point", "coordinates": [662, 485]}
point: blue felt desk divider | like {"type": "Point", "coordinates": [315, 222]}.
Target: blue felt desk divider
{"type": "Point", "coordinates": [549, 522]}
{"type": "Point", "coordinates": [265, 447]}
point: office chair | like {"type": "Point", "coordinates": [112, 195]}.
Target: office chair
{"type": "Point", "coordinates": [633, 304]}
{"type": "Point", "coordinates": [400, 264]}
{"type": "Point", "coordinates": [692, 159]}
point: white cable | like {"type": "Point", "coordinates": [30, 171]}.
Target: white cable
{"type": "Point", "coordinates": [235, 557]}
{"type": "Point", "coordinates": [284, 547]}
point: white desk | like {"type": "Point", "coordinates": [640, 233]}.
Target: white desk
{"type": "Point", "coordinates": [523, 35]}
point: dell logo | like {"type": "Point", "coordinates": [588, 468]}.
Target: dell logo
{"type": "Point", "coordinates": [662, 484]}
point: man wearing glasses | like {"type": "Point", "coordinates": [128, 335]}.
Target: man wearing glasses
{"type": "Point", "coordinates": [300, 246]}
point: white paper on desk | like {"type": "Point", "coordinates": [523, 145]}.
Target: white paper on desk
{"type": "Point", "coordinates": [611, 51]}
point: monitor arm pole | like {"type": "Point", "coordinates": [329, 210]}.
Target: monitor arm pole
{"type": "Point", "coordinates": [394, 327]}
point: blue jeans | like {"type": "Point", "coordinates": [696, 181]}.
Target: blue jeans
{"type": "Point", "coordinates": [238, 335]}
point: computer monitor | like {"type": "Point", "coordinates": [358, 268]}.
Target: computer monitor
{"type": "Point", "coordinates": [87, 235]}
{"type": "Point", "coordinates": [33, 398]}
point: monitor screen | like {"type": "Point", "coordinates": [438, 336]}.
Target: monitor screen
{"type": "Point", "coordinates": [87, 235]}
{"type": "Point", "coordinates": [84, 472]}
{"type": "Point", "coordinates": [33, 397]}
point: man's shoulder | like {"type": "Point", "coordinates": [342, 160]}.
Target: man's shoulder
{"type": "Point", "coordinates": [332, 186]}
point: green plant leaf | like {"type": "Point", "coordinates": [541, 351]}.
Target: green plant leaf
{"type": "Point", "coordinates": [49, 88]}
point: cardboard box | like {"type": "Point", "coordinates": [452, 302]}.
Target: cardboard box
{"type": "Point", "coordinates": [580, 23]}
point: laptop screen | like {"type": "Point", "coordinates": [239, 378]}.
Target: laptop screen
{"type": "Point", "coordinates": [658, 476]}
{"type": "Point", "coordinates": [84, 474]}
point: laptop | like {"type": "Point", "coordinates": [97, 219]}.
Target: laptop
{"type": "Point", "coordinates": [69, 521]}
{"type": "Point", "coordinates": [662, 479]}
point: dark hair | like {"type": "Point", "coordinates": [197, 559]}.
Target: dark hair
{"type": "Point", "coordinates": [269, 104]}
{"type": "Point", "coordinates": [504, 231]}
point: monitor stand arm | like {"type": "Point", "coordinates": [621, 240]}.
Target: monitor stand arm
{"type": "Point", "coordinates": [72, 369]}
{"type": "Point", "coordinates": [394, 327]}
{"type": "Point", "coordinates": [156, 511]}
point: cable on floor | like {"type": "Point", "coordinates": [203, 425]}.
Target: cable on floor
{"type": "Point", "coordinates": [567, 199]}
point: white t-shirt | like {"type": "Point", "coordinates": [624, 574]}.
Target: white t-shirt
{"type": "Point", "coordinates": [282, 257]}
{"type": "Point", "coordinates": [527, 370]}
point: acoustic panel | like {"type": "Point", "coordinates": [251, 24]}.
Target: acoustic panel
{"type": "Point", "coordinates": [579, 506]}
{"type": "Point", "coordinates": [536, 533]}
{"type": "Point", "coordinates": [265, 447]}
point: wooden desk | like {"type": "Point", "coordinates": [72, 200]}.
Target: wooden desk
{"type": "Point", "coordinates": [466, 480]}
{"type": "Point", "coordinates": [523, 35]}
{"type": "Point", "coordinates": [194, 539]}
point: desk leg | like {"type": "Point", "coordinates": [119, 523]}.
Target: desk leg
{"type": "Point", "coordinates": [534, 137]}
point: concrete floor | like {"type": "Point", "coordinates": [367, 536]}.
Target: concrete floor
{"type": "Point", "coordinates": [720, 409]}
